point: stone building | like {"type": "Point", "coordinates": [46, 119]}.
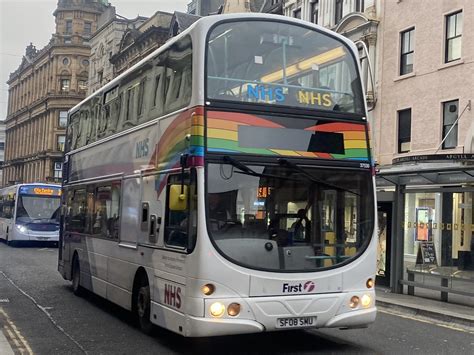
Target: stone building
{"type": "Point", "coordinates": [105, 43]}
{"type": "Point", "coordinates": [2, 149]}
{"type": "Point", "coordinates": [273, 7]}
{"type": "Point", "coordinates": [425, 131]}
{"type": "Point", "coordinates": [45, 86]}
{"type": "Point", "coordinates": [137, 43]}
{"type": "Point", "coordinates": [180, 22]}
{"type": "Point", "coordinates": [204, 7]}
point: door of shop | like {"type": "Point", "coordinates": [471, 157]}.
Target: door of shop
{"type": "Point", "coordinates": [384, 235]}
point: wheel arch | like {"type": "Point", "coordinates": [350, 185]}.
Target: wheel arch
{"type": "Point", "coordinates": [141, 275]}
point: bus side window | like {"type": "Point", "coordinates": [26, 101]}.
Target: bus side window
{"type": "Point", "coordinates": [178, 73]}
{"type": "Point", "coordinates": [105, 217]}
{"type": "Point", "coordinates": [181, 223]}
{"type": "Point", "coordinates": [76, 216]}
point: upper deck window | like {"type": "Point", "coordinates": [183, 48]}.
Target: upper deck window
{"type": "Point", "coordinates": [278, 63]}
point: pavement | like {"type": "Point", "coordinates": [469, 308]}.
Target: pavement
{"type": "Point", "coordinates": [445, 312]}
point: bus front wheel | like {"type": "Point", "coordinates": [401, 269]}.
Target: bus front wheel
{"type": "Point", "coordinates": [76, 277]}
{"type": "Point", "coordinates": [142, 305]}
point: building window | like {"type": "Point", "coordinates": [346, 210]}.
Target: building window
{"type": "Point", "coordinates": [87, 28]}
{"type": "Point", "coordinates": [338, 12]}
{"type": "Point", "coordinates": [359, 5]}
{"type": "Point", "coordinates": [82, 85]}
{"type": "Point", "coordinates": [404, 130]}
{"type": "Point", "coordinates": [100, 76]}
{"type": "Point", "coordinates": [2, 145]}
{"type": "Point", "coordinates": [315, 11]}
{"type": "Point", "coordinates": [450, 127]}
{"type": "Point", "coordinates": [64, 84]}
{"type": "Point", "coordinates": [406, 53]}
{"type": "Point", "coordinates": [62, 119]}
{"type": "Point", "coordinates": [60, 140]}
{"type": "Point", "coordinates": [58, 170]}
{"type": "Point", "coordinates": [453, 37]}
{"type": "Point", "coordinates": [69, 27]}
{"type": "Point", "coordinates": [66, 61]}
{"type": "Point", "coordinates": [297, 13]}
{"type": "Point", "coordinates": [67, 40]}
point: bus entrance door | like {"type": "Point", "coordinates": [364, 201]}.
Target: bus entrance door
{"type": "Point", "coordinates": [152, 211]}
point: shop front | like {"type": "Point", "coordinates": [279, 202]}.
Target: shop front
{"type": "Point", "coordinates": [432, 248]}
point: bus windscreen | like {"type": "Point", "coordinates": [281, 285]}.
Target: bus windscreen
{"type": "Point", "coordinates": [276, 63]}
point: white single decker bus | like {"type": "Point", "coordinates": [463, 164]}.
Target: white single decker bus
{"type": "Point", "coordinates": [224, 184]}
{"type": "Point", "coordinates": [30, 213]}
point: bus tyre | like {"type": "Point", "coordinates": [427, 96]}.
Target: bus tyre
{"type": "Point", "coordinates": [142, 307]}
{"type": "Point", "coordinates": [76, 277]}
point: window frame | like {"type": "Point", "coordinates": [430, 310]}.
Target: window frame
{"type": "Point", "coordinates": [223, 103]}
{"type": "Point", "coordinates": [81, 85]}
{"type": "Point", "coordinates": [68, 29]}
{"type": "Point", "coordinates": [410, 34]}
{"type": "Point", "coordinates": [93, 189]}
{"type": "Point", "coordinates": [60, 174]}
{"type": "Point", "coordinates": [60, 117]}
{"type": "Point", "coordinates": [447, 127]}
{"type": "Point", "coordinates": [70, 196]}
{"type": "Point", "coordinates": [87, 28]}
{"type": "Point", "coordinates": [58, 143]}
{"type": "Point", "coordinates": [314, 8]}
{"type": "Point", "coordinates": [403, 139]}
{"type": "Point", "coordinates": [297, 13]}
{"type": "Point", "coordinates": [190, 180]}
{"type": "Point", "coordinates": [62, 87]}
{"type": "Point", "coordinates": [447, 39]}
{"type": "Point", "coordinates": [338, 11]}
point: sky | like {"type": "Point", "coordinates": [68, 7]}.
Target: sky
{"type": "Point", "coordinates": [25, 21]}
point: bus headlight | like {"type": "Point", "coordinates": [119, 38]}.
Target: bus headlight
{"type": "Point", "coordinates": [370, 283]}
{"type": "Point", "coordinates": [217, 309]}
{"type": "Point", "coordinates": [365, 301]}
{"type": "Point", "coordinates": [21, 228]}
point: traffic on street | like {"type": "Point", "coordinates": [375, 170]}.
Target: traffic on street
{"type": "Point", "coordinates": [236, 177]}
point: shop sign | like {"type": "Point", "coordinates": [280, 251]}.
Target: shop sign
{"type": "Point", "coordinates": [426, 254]}
{"type": "Point", "coordinates": [433, 157]}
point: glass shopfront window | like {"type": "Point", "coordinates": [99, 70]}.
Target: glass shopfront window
{"type": "Point", "coordinates": [438, 238]}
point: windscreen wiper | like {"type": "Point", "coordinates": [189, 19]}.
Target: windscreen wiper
{"type": "Point", "coordinates": [246, 170]}
{"type": "Point", "coordinates": [237, 164]}
{"type": "Point", "coordinates": [293, 166]}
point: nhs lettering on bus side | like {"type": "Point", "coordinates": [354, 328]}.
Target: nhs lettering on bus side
{"type": "Point", "coordinates": [173, 295]}
{"type": "Point", "coordinates": [141, 149]}
{"type": "Point", "coordinates": [261, 93]}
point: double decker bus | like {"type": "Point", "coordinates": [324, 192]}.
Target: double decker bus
{"type": "Point", "coordinates": [224, 184]}
{"type": "Point", "coordinates": [30, 213]}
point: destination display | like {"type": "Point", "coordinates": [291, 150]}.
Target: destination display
{"type": "Point", "coordinates": [40, 190]}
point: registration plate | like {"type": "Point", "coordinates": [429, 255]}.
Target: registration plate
{"type": "Point", "coordinates": [296, 322]}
